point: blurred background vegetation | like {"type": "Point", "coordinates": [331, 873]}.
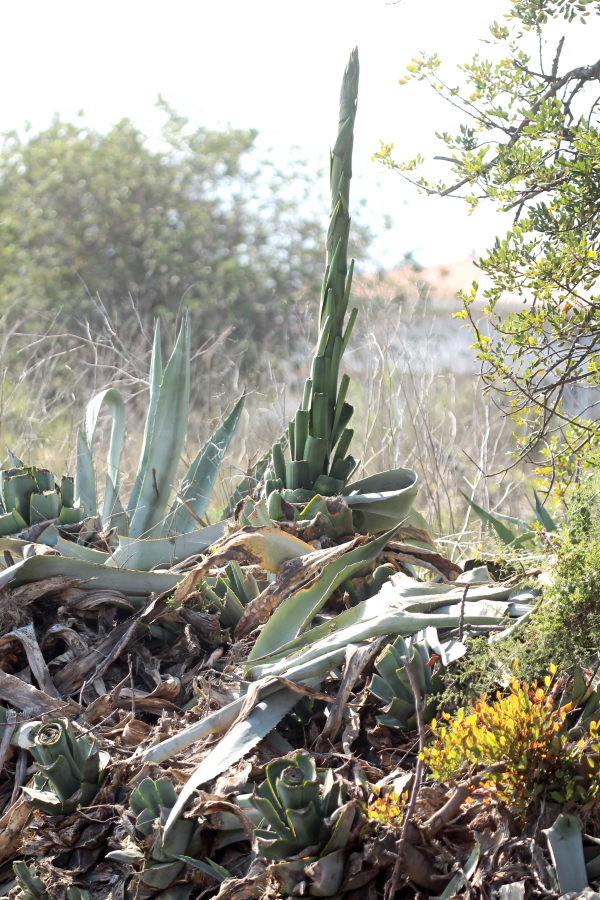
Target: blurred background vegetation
{"type": "Point", "coordinates": [100, 233]}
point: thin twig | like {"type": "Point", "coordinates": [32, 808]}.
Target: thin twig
{"type": "Point", "coordinates": [132, 686]}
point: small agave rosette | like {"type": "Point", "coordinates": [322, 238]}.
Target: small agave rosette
{"type": "Point", "coordinates": [71, 769]}
{"type": "Point", "coordinates": [151, 804]}
{"type": "Point", "coordinates": [392, 685]}
{"type": "Point", "coordinates": [309, 826]}
{"type": "Point", "coordinates": [33, 888]}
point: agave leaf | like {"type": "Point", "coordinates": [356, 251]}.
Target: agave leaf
{"type": "Point", "coordinates": [17, 488]}
{"type": "Point", "coordinates": [145, 553]}
{"type": "Point", "coordinates": [47, 801]}
{"type": "Point", "coordinates": [274, 848]}
{"type": "Point", "coordinates": [14, 461]}
{"type": "Point", "coordinates": [155, 379]}
{"type": "Point", "coordinates": [69, 516]}
{"type": "Point", "coordinates": [307, 765]}
{"type": "Point", "coordinates": [209, 867]}
{"type": "Point", "coordinates": [381, 689]}
{"type": "Point", "coordinates": [523, 539]}
{"type": "Point", "coordinates": [468, 871]}
{"type": "Point", "coordinates": [504, 533]}
{"type": "Point", "coordinates": [27, 880]}
{"type": "Point", "coordinates": [380, 501]}
{"type": "Point", "coordinates": [200, 479]}
{"type": "Point", "coordinates": [71, 550]}
{"type": "Point", "coordinates": [238, 741]}
{"type": "Point", "coordinates": [332, 648]}
{"type": "Point", "coordinates": [387, 666]}
{"type": "Point", "coordinates": [162, 875]}
{"type": "Point", "coordinates": [12, 522]}
{"type": "Point", "coordinates": [306, 824]}
{"type": "Point", "coordinates": [542, 514]}
{"type": "Point", "coordinates": [268, 546]}
{"type": "Point", "coordinates": [116, 407]}
{"type": "Point", "coordinates": [566, 850]}
{"type": "Point", "coordinates": [327, 873]}
{"type": "Point", "coordinates": [513, 521]}
{"type": "Point", "coordinates": [131, 583]}
{"type": "Point", "coordinates": [296, 611]}
{"type": "Point", "coordinates": [166, 792]}
{"type": "Point", "coordinates": [113, 514]}
{"type": "Point", "coordinates": [131, 854]}
{"type": "Point", "coordinates": [85, 478]}
{"type": "Point", "coordinates": [148, 791]}
{"type": "Point", "coordinates": [401, 710]}
{"type": "Point", "coordinates": [166, 441]}
{"type": "Point", "coordinates": [178, 839]}
{"type": "Point", "coordinates": [270, 813]}
{"type": "Point", "coordinates": [60, 776]}
{"type": "Point", "coordinates": [44, 506]}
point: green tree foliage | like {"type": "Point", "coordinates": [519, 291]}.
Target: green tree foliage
{"type": "Point", "coordinates": [92, 220]}
{"type": "Point", "coordinates": [531, 144]}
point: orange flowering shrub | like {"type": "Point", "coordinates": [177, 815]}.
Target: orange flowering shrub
{"type": "Point", "coordinates": [523, 730]}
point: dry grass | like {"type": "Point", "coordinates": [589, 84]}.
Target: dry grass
{"type": "Point", "coordinates": [414, 386]}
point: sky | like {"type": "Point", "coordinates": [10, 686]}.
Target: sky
{"type": "Point", "coordinates": [273, 66]}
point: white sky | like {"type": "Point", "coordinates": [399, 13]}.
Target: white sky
{"type": "Point", "coordinates": [272, 65]}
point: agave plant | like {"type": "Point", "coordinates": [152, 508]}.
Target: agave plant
{"type": "Point", "coordinates": [30, 496]}
{"type": "Point", "coordinates": [70, 769]}
{"type": "Point", "coordinates": [33, 888]}
{"type": "Point", "coordinates": [155, 528]}
{"type": "Point", "coordinates": [319, 437]}
{"type": "Point", "coordinates": [149, 514]}
{"type": "Point", "coordinates": [500, 523]}
{"type": "Point", "coordinates": [309, 824]}
{"type": "Point", "coordinates": [392, 684]}
{"type": "Point", "coordinates": [151, 804]}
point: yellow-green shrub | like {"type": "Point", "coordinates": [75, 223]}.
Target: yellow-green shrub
{"type": "Point", "coordinates": [525, 731]}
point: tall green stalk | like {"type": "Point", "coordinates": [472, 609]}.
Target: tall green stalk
{"type": "Point", "coordinates": [319, 436]}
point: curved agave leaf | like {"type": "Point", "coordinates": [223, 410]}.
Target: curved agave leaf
{"type": "Point", "coordinates": [116, 407]}
{"type": "Point", "coordinates": [504, 533]}
{"type": "Point", "coordinates": [380, 501]}
{"type": "Point", "coordinates": [156, 374]}
{"type": "Point", "coordinates": [85, 478]}
{"type": "Point", "coordinates": [166, 441]}
{"type": "Point", "coordinates": [200, 479]}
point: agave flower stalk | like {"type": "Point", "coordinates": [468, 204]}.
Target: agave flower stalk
{"type": "Point", "coordinates": [319, 437]}
{"type": "Point", "coordinates": [392, 684]}
{"type": "Point", "coordinates": [151, 804]}
{"type": "Point", "coordinates": [309, 825]}
{"type": "Point", "coordinates": [70, 769]}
